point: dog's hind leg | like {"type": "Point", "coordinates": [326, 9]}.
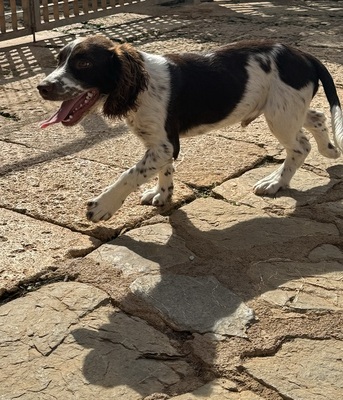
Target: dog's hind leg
{"type": "Point", "coordinates": [296, 152]}
{"type": "Point", "coordinates": [285, 112]}
{"type": "Point", "coordinates": [157, 158]}
{"type": "Point", "coordinates": [315, 123]}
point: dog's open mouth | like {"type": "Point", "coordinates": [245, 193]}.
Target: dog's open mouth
{"type": "Point", "coordinates": [71, 111]}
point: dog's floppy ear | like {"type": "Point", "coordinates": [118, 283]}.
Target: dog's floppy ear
{"type": "Point", "coordinates": [132, 79]}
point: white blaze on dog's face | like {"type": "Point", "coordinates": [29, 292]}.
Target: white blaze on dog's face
{"type": "Point", "coordinates": [65, 84]}
{"type": "Point", "coordinates": [85, 71]}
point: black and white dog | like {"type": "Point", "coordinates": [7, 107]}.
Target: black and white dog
{"type": "Point", "coordinates": [165, 97]}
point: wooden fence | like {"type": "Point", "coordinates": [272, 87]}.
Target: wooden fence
{"type": "Point", "coordinates": [24, 17]}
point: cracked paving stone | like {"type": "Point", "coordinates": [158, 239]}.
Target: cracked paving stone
{"type": "Point", "coordinates": [58, 189]}
{"type": "Point", "coordinates": [66, 340]}
{"type": "Point", "coordinates": [58, 185]}
{"type": "Point", "coordinates": [302, 369]}
{"type": "Point", "coordinates": [235, 232]}
{"type": "Point", "coordinates": [28, 247]}
{"type": "Point", "coordinates": [219, 389]}
{"type": "Point", "coordinates": [300, 285]}
{"type": "Point", "coordinates": [147, 249]}
{"type": "Point", "coordinates": [326, 252]}
{"type": "Point", "coordinates": [196, 304]}
{"type": "Point", "coordinates": [20, 96]}
{"type": "Point", "coordinates": [95, 138]}
{"type": "Point", "coordinates": [306, 188]}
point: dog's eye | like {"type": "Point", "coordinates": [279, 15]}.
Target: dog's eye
{"type": "Point", "coordinates": [82, 64]}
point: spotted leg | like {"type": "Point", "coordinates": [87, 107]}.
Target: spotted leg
{"type": "Point", "coordinates": [163, 191]}
{"type": "Point", "coordinates": [279, 179]}
{"type": "Point", "coordinates": [315, 123]}
{"type": "Point", "coordinates": [157, 158]}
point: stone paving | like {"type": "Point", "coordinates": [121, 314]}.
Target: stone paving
{"type": "Point", "coordinates": [219, 295]}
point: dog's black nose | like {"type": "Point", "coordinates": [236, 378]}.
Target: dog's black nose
{"type": "Point", "coordinates": [46, 88]}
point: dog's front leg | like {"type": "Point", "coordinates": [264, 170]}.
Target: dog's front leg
{"type": "Point", "coordinates": [163, 191]}
{"type": "Point", "coordinates": [156, 160]}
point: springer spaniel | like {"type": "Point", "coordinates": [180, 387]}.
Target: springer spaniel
{"type": "Point", "coordinates": [165, 97]}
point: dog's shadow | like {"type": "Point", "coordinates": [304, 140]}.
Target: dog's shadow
{"type": "Point", "coordinates": [234, 257]}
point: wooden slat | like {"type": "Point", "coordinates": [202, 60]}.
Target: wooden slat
{"type": "Point", "coordinates": [85, 7]}
{"type": "Point", "coordinates": [76, 7]}
{"type": "Point", "coordinates": [45, 10]}
{"type": "Point", "coordinates": [56, 10]}
{"type": "Point", "coordinates": [65, 8]}
{"type": "Point", "coordinates": [104, 4]}
{"type": "Point", "coordinates": [2, 18]}
{"type": "Point", "coordinates": [26, 12]}
{"type": "Point", "coordinates": [94, 5]}
{"type": "Point", "coordinates": [14, 17]}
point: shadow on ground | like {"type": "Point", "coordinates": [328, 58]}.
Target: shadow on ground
{"type": "Point", "coordinates": [232, 257]}
{"type": "Point", "coordinates": [228, 255]}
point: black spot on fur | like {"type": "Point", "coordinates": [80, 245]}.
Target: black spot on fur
{"type": "Point", "coordinates": [264, 63]}
{"type": "Point", "coordinates": [222, 76]}
{"type": "Point", "coordinates": [165, 148]}
{"type": "Point", "coordinates": [289, 60]}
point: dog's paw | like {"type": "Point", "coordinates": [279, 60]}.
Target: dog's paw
{"type": "Point", "coordinates": [102, 208]}
{"type": "Point", "coordinates": [157, 196]}
{"type": "Point", "coordinates": [329, 151]}
{"type": "Point", "coordinates": [274, 182]}
{"type": "Point", "coordinates": [268, 186]}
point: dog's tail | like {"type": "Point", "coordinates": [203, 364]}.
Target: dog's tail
{"type": "Point", "coordinates": [335, 105]}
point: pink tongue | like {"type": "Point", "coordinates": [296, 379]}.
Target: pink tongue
{"type": "Point", "coordinates": [62, 113]}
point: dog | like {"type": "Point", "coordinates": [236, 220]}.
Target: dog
{"type": "Point", "coordinates": [165, 97]}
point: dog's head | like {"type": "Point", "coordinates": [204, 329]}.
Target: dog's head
{"type": "Point", "coordinates": [91, 69]}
